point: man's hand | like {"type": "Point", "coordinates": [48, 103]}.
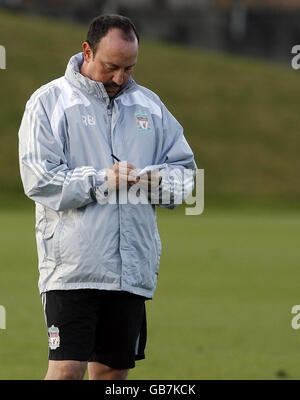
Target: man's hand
{"type": "Point", "coordinates": [120, 174]}
{"type": "Point", "coordinates": [150, 181]}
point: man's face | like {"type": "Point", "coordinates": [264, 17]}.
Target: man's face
{"type": "Point", "coordinates": [113, 62]}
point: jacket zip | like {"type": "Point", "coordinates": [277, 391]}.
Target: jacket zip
{"type": "Point", "coordinates": [109, 113]}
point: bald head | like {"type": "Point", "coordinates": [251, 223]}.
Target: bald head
{"type": "Point", "coordinates": [101, 25]}
{"type": "Point", "coordinates": [113, 62]}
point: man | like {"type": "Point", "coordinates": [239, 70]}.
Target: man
{"type": "Point", "coordinates": [99, 258]}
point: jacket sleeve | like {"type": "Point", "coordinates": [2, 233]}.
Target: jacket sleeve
{"type": "Point", "coordinates": [177, 181]}
{"type": "Point", "coordinates": [45, 174]}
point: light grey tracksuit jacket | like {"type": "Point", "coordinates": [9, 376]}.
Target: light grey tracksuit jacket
{"type": "Point", "coordinates": [69, 129]}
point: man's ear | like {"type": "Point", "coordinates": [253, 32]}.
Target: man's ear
{"type": "Point", "coordinates": [87, 52]}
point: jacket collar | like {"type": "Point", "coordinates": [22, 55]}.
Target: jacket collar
{"type": "Point", "coordinates": [94, 88]}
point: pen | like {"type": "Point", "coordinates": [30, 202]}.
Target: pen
{"type": "Point", "coordinates": [116, 158]}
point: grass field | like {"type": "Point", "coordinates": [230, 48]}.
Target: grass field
{"type": "Point", "coordinates": [222, 308]}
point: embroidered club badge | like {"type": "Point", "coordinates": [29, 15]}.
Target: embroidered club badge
{"type": "Point", "coordinates": [143, 123]}
{"type": "Point", "coordinates": [53, 337]}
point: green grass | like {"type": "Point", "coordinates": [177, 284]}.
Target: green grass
{"type": "Point", "coordinates": [222, 308]}
{"type": "Point", "coordinates": [240, 116]}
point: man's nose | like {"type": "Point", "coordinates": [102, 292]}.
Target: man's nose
{"type": "Point", "coordinates": [118, 78]}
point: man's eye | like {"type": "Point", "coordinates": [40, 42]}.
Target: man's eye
{"type": "Point", "coordinates": [110, 67]}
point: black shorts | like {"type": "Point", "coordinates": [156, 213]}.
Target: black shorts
{"type": "Point", "coordinates": [96, 325]}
